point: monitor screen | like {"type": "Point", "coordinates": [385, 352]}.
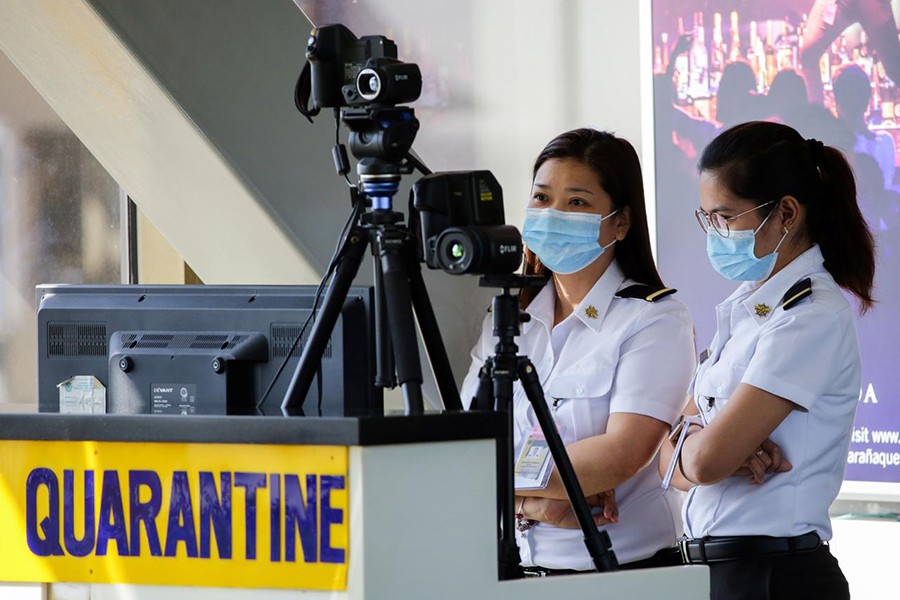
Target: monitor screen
{"type": "Point", "coordinates": [186, 349]}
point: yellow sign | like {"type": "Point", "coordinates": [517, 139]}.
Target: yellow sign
{"type": "Point", "coordinates": [218, 515]}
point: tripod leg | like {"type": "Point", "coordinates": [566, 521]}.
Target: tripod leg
{"type": "Point", "coordinates": [389, 244]}
{"type": "Point", "coordinates": [501, 370]}
{"type": "Point", "coordinates": [385, 376]}
{"type": "Point", "coordinates": [489, 382]}
{"type": "Point", "coordinates": [598, 543]}
{"type": "Point", "coordinates": [484, 394]}
{"type": "Point", "coordinates": [322, 328]}
{"type": "Point", "coordinates": [484, 400]}
{"type": "Point", "coordinates": [431, 336]}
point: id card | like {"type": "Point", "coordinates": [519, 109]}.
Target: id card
{"type": "Point", "coordinates": [533, 461]}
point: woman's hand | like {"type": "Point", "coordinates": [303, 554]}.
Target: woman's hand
{"type": "Point", "coordinates": [768, 458]}
{"type": "Point", "coordinates": [559, 513]}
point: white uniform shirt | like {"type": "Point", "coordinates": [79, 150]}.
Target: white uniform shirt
{"type": "Point", "coordinates": [620, 355]}
{"type": "Point", "coordinates": [808, 354]}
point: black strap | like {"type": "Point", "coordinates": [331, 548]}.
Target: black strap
{"type": "Point", "coordinates": [302, 92]}
{"type": "Point", "coordinates": [796, 293]}
{"type": "Point", "coordinates": [649, 293]}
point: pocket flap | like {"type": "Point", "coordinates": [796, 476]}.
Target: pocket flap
{"type": "Point", "coordinates": [580, 385]}
{"type": "Point", "coordinates": [719, 381]}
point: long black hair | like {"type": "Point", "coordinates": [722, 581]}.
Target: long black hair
{"type": "Point", "coordinates": [618, 169]}
{"type": "Point", "coordinates": [762, 161]}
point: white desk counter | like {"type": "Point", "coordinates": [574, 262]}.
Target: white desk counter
{"type": "Point", "coordinates": [408, 511]}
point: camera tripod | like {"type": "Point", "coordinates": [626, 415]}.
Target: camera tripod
{"type": "Point", "coordinates": [495, 392]}
{"type": "Point", "coordinates": [399, 290]}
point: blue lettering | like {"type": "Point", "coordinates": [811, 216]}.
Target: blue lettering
{"type": "Point", "coordinates": [144, 512]}
{"type": "Point", "coordinates": [301, 516]}
{"type": "Point", "coordinates": [181, 517]}
{"type": "Point", "coordinates": [112, 516]}
{"type": "Point", "coordinates": [250, 482]}
{"type": "Point", "coordinates": [215, 512]}
{"type": "Point", "coordinates": [305, 513]}
{"type": "Point", "coordinates": [275, 517]}
{"type": "Point", "coordinates": [46, 541]}
{"type": "Point", "coordinates": [330, 516]}
{"type": "Point", "coordinates": [85, 545]}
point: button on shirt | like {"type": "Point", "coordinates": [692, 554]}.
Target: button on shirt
{"type": "Point", "coordinates": [610, 355]}
{"type": "Point", "coordinates": [808, 354]}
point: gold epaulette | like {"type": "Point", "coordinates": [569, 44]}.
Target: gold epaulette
{"type": "Point", "coordinates": [796, 293]}
{"type": "Point", "coordinates": [649, 293]}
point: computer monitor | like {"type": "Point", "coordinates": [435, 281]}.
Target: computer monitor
{"type": "Point", "coordinates": [201, 349]}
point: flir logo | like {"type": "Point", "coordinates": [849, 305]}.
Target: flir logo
{"type": "Point", "coordinates": [508, 248]}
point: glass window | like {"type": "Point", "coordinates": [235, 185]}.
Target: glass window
{"type": "Point", "coordinates": [59, 223]}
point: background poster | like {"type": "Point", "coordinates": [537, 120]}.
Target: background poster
{"type": "Point", "coordinates": [717, 63]}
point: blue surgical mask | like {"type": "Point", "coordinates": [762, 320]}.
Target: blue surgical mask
{"type": "Point", "coordinates": [733, 257]}
{"type": "Point", "coordinates": [565, 242]}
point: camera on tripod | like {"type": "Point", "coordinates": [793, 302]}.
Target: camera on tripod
{"type": "Point", "coordinates": [460, 220]}
{"type": "Point", "coordinates": [363, 78]}
{"type": "Point", "coordinates": [351, 71]}
{"type": "Point", "coordinates": [462, 226]}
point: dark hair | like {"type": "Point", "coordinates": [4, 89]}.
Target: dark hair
{"type": "Point", "coordinates": [787, 94]}
{"type": "Point", "coordinates": [618, 170]}
{"type": "Point", "coordinates": [737, 100]}
{"type": "Point", "coordinates": [852, 91]}
{"type": "Point", "coordinates": [763, 161]}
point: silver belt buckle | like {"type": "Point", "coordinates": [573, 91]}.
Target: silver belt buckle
{"type": "Point", "coordinates": [683, 546]}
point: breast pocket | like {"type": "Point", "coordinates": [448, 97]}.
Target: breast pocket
{"type": "Point", "coordinates": [715, 385]}
{"type": "Point", "coordinates": [580, 403]}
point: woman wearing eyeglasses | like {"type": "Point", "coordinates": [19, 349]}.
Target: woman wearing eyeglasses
{"type": "Point", "coordinates": [613, 351]}
{"type": "Point", "coordinates": [762, 452]}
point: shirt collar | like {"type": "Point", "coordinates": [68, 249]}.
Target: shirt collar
{"type": "Point", "coordinates": [541, 307]}
{"type": "Point", "coordinates": [593, 307]}
{"type": "Point", "coordinates": [767, 297]}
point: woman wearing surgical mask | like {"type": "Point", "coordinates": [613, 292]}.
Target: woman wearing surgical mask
{"type": "Point", "coordinates": [763, 448]}
{"type": "Point", "coordinates": [613, 350]}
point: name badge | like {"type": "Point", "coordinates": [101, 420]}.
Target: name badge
{"type": "Point", "coordinates": [533, 461]}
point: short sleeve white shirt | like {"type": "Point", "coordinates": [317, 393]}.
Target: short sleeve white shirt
{"type": "Point", "coordinates": [620, 355]}
{"type": "Point", "coordinates": [808, 354]}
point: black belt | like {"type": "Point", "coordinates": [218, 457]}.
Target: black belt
{"type": "Point", "coordinates": [666, 557]}
{"type": "Point", "coordinates": [716, 549]}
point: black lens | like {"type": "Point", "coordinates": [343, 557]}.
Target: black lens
{"type": "Point", "coordinates": [480, 250]}
{"type": "Point", "coordinates": [368, 83]}
{"type": "Point", "coordinates": [388, 82]}
{"type": "Point", "coordinates": [457, 251]}
{"type": "Point", "coordinates": [456, 248]}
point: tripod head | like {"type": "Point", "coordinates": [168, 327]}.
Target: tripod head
{"type": "Point", "coordinates": [381, 139]}
{"type": "Point", "coordinates": [509, 281]}
{"type": "Point", "coordinates": [379, 181]}
{"type": "Point", "coordinates": [505, 308]}
{"type": "Point", "coordinates": [386, 132]}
